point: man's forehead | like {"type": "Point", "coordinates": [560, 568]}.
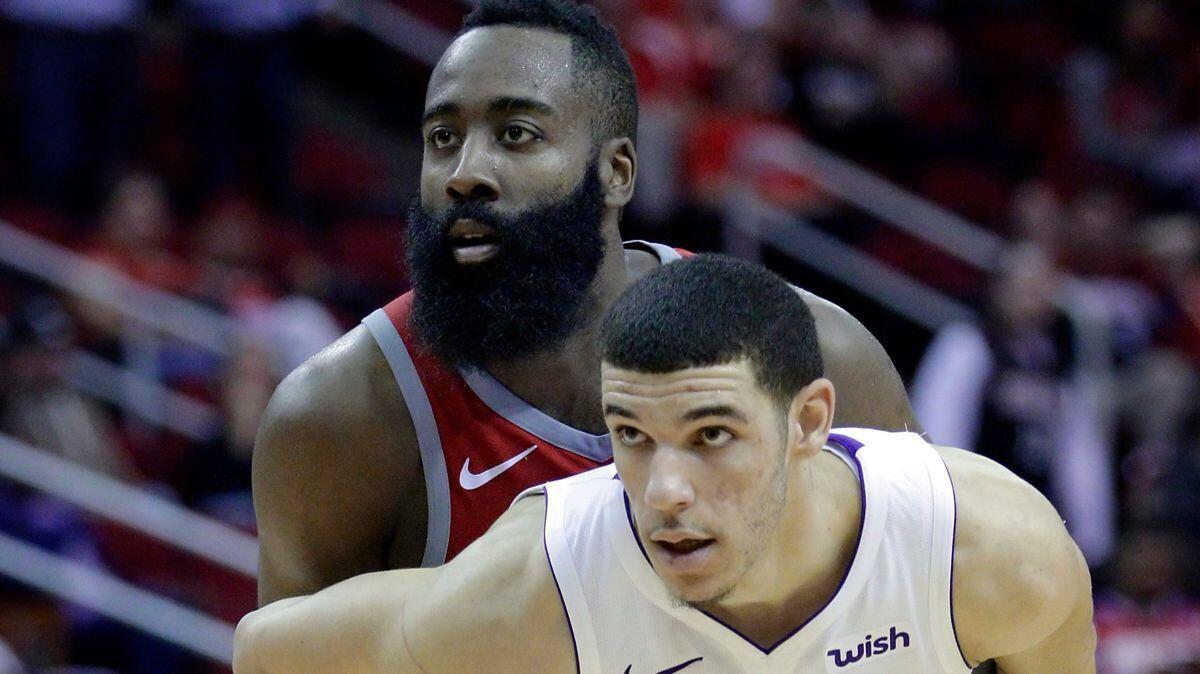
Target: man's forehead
{"type": "Point", "coordinates": [733, 378]}
{"type": "Point", "coordinates": [493, 61]}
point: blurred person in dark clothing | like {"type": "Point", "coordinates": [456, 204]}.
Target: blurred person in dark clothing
{"type": "Point", "coordinates": [243, 61]}
{"type": "Point", "coordinates": [1011, 388]}
{"type": "Point", "coordinates": [74, 93]}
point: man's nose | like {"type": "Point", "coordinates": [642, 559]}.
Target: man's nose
{"type": "Point", "coordinates": [669, 489]}
{"type": "Point", "coordinates": [474, 177]}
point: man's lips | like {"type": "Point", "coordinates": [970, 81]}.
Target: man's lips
{"type": "Point", "coordinates": [472, 241]}
{"type": "Point", "coordinates": [468, 228]}
{"type": "Point", "coordinates": [680, 542]}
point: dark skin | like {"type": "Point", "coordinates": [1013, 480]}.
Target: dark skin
{"type": "Point", "coordinates": [338, 486]}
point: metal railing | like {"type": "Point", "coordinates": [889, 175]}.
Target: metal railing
{"type": "Point", "coordinates": [135, 508]}
{"type": "Point", "coordinates": [150, 315]}
{"type": "Point", "coordinates": [138, 510]}
{"type": "Point", "coordinates": [143, 397]}
{"type": "Point", "coordinates": [879, 197]}
{"type": "Point", "coordinates": [172, 315]}
{"type": "Point", "coordinates": [750, 224]}
{"type": "Point", "coordinates": [116, 599]}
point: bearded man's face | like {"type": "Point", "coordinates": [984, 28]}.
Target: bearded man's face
{"type": "Point", "coordinates": [528, 291]}
{"type": "Point", "coordinates": [506, 236]}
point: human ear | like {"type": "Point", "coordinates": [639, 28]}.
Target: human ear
{"type": "Point", "coordinates": [618, 171]}
{"type": "Point", "coordinates": [810, 418]}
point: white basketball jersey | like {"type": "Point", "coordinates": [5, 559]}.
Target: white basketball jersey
{"type": "Point", "coordinates": [891, 614]}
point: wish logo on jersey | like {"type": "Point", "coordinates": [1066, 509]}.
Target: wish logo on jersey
{"type": "Point", "coordinates": [850, 651]}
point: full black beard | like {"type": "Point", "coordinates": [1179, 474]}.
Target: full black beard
{"type": "Point", "coordinates": [526, 299]}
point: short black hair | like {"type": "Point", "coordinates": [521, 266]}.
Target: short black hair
{"type": "Point", "coordinates": [604, 69]}
{"type": "Point", "coordinates": [710, 310]}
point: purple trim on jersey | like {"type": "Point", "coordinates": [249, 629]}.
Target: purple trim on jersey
{"type": "Point", "coordinates": [851, 446]}
{"type": "Point", "coordinates": [550, 563]}
{"type": "Point", "coordinates": [953, 540]}
{"type": "Point", "coordinates": [847, 443]}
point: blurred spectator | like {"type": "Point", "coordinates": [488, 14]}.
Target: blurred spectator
{"type": "Point", "coordinates": [1036, 214]}
{"type": "Point", "coordinates": [1134, 105]}
{"type": "Point", "coordinates": [215, 477]}
{"type": "Point", "coordinates": [38, 403]}
{"type": "Point", "coordinates": [133, 238]}
{"type": "Point", "coordinates": [243, 58]}
{"type": "Point", "coordinates": [74, 89]}
{"type": "Point", "coordinates": [136, 226]}
{"type": "Point", "coordinates": [1147, 623]}
{"type": "Point", "coordinates": [1014, 389]}
{"type": "Point", "coordinates": [232, 254]}
{"type": "Point", "coordinates": [1160, 392]}
{"type": "Point", "coordinates": [1171, 247]}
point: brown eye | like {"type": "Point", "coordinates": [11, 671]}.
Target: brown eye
{"type": "Point", "coordinates": [630, 436]}
{"type": "Point", "coordinates": [441, 138]}
{"type": "Point", "coordinates": [516, 135]}
{"type": "Point", "coordinates": [715, 436]}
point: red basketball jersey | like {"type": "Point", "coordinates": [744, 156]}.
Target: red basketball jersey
{"type": "Point", "coordinates": [480, 444]}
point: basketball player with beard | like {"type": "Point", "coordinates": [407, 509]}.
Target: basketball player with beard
{"type": "Point", "coordinates": [403, 441]}
{"type": "Point", "coordinates": [734, 532]}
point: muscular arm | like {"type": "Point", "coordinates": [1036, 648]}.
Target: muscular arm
{"type": "Point", "coordinates": [870, 393]}
{"type": "Point", "coordinates": [477, 613]}
{"type": "Point", "coordinates": [1022, 592]}
{"type": "Point", "coordinates": [336, 474]}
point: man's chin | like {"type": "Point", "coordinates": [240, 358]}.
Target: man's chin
{"type": "Point", "coordinates": [701, 599]}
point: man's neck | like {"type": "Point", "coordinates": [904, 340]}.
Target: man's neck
{"type": "Point", "coordinates": [565, 382]}
{"type": "Point", "coordinates": [808, 555]}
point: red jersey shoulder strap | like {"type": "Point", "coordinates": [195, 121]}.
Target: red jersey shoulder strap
{"type": "Point", "coordinates": [412, 369]}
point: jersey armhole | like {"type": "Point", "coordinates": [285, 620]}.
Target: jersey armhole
{"type": "Point", "coordinates": [941, 568]}
{"type": "Point", "coordinates": [429, 442]}
{"type": "Point", "coordinates": [566, 579]}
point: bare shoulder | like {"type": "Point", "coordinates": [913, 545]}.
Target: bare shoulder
{"type": "Point", "coordinates": [341, 385]}
{"type": "Point", "coordinates": [870, 393]}
{"type": "Point", "coordinates": [1018, 575]}
{"type": "Point", "coordinates": [495, 607]}
{"type": "Point", "coordinates": [335, 451]}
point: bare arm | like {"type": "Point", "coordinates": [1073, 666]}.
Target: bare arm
{"type": "Point", "coordinates": [336, 474]}
{"type": "Point", "coordinates": [475, 614]}
{"type": "Point", "coordinates": [870, 393]}
{"type": "Point", "coordinates": [1022, 592]}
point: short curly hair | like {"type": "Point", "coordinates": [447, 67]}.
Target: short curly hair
{"type": "Point", "coordinates": [603, 65]}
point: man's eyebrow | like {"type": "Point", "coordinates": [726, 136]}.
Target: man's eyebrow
{"type": "Point", "coordinates": [510, 103]}
{"type": "Point", "coordinates": [439, 110]}
{"type": "Point", "coordinates": [611, 410]}
{"type": "Point", "coordinates": [715, 411]}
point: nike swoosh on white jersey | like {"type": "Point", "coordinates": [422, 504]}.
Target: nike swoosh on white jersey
{"type": "Point", "coordinates": [468, 480]}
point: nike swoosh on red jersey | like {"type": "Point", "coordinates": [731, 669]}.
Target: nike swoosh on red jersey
{"type": "Point", "coordinates": [468, 480]}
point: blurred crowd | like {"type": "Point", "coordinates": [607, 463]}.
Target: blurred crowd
{"type": "Point", "coordinates": [168, 140]}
